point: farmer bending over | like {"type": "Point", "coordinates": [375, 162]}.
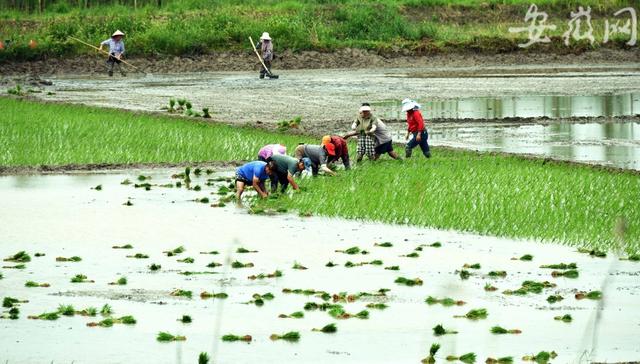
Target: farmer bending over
{"type": "Point", "coordinates": [336, 148]}
{"type": "Point", "coordinates": [285, 168]}
{"type": "Point", "coordinates": [254, 174]}
{"type": "Point", "coordinates": [270, 149]}
{"type": "Point", "coordinates": [317, 156]}
{"type": "Point", "coordinates": [116, 51]}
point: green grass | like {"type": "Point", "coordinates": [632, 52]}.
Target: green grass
{"type": "Point", "coordinates": [494, 195]}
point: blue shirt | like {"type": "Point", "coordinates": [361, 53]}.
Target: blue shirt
{"type": "Point", "coordinates": [253, 169]}
{"type": "Point", "coordinates": [114, 47]}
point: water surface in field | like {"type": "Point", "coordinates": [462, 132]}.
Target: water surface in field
{"type": "Point", "coordinates": [60, 215]}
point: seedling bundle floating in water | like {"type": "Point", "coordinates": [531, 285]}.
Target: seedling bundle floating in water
{"type": "Point", "coordinates": [259, 299]}
{"type": "Point", "coordinates": [176, 251]}
{"type": "Point", "coordinates": [431, 359]}
{"type": "Point", "coordinates": [467, 358]}
{"type": "Point", "coordinates": [232, 338]}
{"type": "Point", "coordinates": [126, 246]}
{"type": "Point", "coordinates": [155, 267]}
{"type": "Point", "coordinates": [71, 259]}
{"type": "Point", "coordinates": [561, 266]}
{"type": "Point", "coordinates": [503, 360]}
{"type": "Point", "coordinates": [181, 293]}
{"type": "Point", "coordinates": [110, 321]}
{"type": "Point", "coordinates": [32, 284]}
{"type": "Point", "coordinates": [572, 273]}
{"type": "Point", "coordinates": [444, 301]}
{"type": "Point", "coordinates": [593, 295]}
{"type": "Point", "coordinates": [237, 264]}
{"type": "Point", "coordinates": [245, 251]}
{"type": "Point", "coordinates": [472, 266]}
{"type": "Point", "coordinates": [409, 282]}
{"type": "Point", "coordinates": [554, 298]}
{"type": "Point", "coordinates": [119, 282]}
{"type": "Point", "coordinates": [188, 260]}
{"type": "Point", "coordinates": [298, 266]}
{"type": "Point", "coordinates": [497, 274]}
{"type": "Point", "coordinates": [593, 252]}
{"type": "Point", "coordinates": [564, 318]}
{"type": "Point", "coordinates": [185, 319]}
{"type": "Point", "coordinates": [500, 330]}
{"type": "Point", "coordinates": [205, 295]}
{"type": "Point", "coordinates": [524, 258]}
{"type": "Point", "coordinates": [328, 329]}
{"type": "Point", "coordinates": [81, 278]}
{"type": "Point", "coordinates": [289, 336]}
{"type": "Point", "coordinates": [352, 251]}
{"type": "Point", "coordinates": [439, 330]}
{"type": "Point", "coordinates": [138, 256]}
{"type": "Point", "coordinates": [542, 357]}
{"type": "Point", "coordinates": [386, 244]}
{"type": "Point", "coordinates": [308, 292]}
{"type": "Point", "coordinates": [295, 315]}
{"type": "Point", "coordinates": [530, 287]}
{"type": "Point", "coordinates": [275, 274]}
{"type": "Point", "coordinates": [17, 266]}
{"type": "Point", "coordinates": [9, 302]}
{"type": "Point", "coordinates": [476, 314]}
{"type": "Point", "coordinates": [19, 257]}
{"type": "Point", "coordinates": [167, 337]}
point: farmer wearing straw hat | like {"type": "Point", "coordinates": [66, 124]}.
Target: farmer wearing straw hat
{"type": "Point", "coordinates": [265, 46]}
{"type": "Point", "coordinates": [415, 129]}
{"type": "Point", "coordinates": [116, 51]}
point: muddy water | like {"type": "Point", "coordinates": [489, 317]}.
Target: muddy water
{"type": "Point", "coordinates": [62, 216]}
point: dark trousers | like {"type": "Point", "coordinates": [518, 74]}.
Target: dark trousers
{"type": "Point", "coordinates": [111, 62]}
{"type": "Point", "coordinates": [424, 145]}
{"type": "Point", "coordinates": [279, 178]}
{"type": "Point", "coordinates": [263, 71]}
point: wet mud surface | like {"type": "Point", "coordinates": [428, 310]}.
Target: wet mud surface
{"type": "Point", "coordinates": [61, 215]}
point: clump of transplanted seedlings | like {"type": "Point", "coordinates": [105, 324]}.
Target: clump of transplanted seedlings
{"type": "Point", "coordinates": [128, 203]}
{"type": "Point", "coordinates": [89, 311]}
{"type": "Point", "coordinates": [17, 266]}
{"type": "Point", "coordinates": [146, 186]}
{"type": "Point", "coordinates": [377, 306]}
{"type": "Point", "coordinates": [203, 358]}
{"type": "Point", "coordinates": [437, 244]}
{"type": "Point", "coordinates": [188, 260]}
{"type": "Point", "coordinates": [125, 246]}
{"type": "Point", "coordinates": [524, 258]}
{"type": "Point", "coordinates": [9, 302]}
{"type": "Point", "coordinates": [386, 244]}
{"type": "Point", "coordinates": [295, 315]}
{"type": "Point", "coordinates": [467, 358]}
{"type": "Point", "coordinates": [70, 259]}
{"type": "Point", "coordinates": [472, 266]}
{"type": "Point", "coordinates": [592, 295]}
{"type": "Point", "coordinates": [38, 255]}
{"type": "Point", "coordinates": [464, 274]}
{"type": "Point", "coordinates": [138, 256]}
{"type": "Point", "coordinates": [81, 278]}
{"type": "Point", "coordinates": [289, 336]}
{"type": "Point", "coordinates": [19, 257]}
{"type": "Point", "coordinates": [560, 266]}
{"type": "Point", "coordinates": [593, 252]}
{"type": "Point", "coordinates": [275, 274]}
{"type": "Point", "coordinates": [213, 252]}
{"type": "Point", "coordinates": [122, 281]}
{"type": "Point", "coordinates": [167, 337]}
{"type": "Point", "coordinates": [185, 319]}
{"type": "Point", "coordinates": [352, 251]}
{"type": "Point", "coordinates": [308, 292]}
{"type": "Point", "coordinates": [564, 318]}
{"type": "Point", "coordinates": [393, 267]}
{"type": "Point", "coordinates": [409, 282]}
{"type": "Point", "coordinates": [66, 310]}
{"type": "Point", "coordinates": [501, 330]}
{"type": "Point", "coordinates": [530, 287]}
{"type": "Point", "coordinates": [97, 188]}
{"type": "Point", "coordinates": [106, 310]}
{"type": "Point", "coordinates": [497, 274]}
{"type": "Point", "coordinates": [338, 312]}
{"type": "Point", "coordinates": [202, 200]}
{"type": "Point", "coordinates": [554, 298]}
{"type": "Point", "coordinates": [237, 264]}
{"type": "Point", "coordinates": [32, 284]}
{"type": "Point", "coordinates": [411, 255]}
{"type": "Point", "coordinates": [214, 265]}
{"type": "Point", "coordinates": [476, 314]}
{"type": "Point", "coordinates": [328, 329]}
{"type": "Point", "coordinates": [503, 360]}
{"type": "Point", "coordinates": [126, 182]}
{"type": "Point", "coordinates": [155, 267]}
{"type": "Point", "coordinates": [12, 314]}
{"type": "Point", "coordinates": [298, 266]}
{"type": "Point", "coordinates": [444, 301]}
{"type": "Point", "coordinates": [110, 321]}
{"type": "Point", "coordinates": [331, 264]}
{"type": "Point", "coordinates": [233, 338]}
{"type": "Point", "coordinates": [258, 299]}
{"type": "Point", "coordinates": [245, 251]}
{"type": "Point", "coordinates": [439, 330]}
{"type": "Point", "coordinates": [571, 273]}
{"type": "Point", "coordinates": [431, 359]}
{"type": "Point", "coordinates": [632, 257]}
{"type": "Point", "coordinates": [181, 293]}
{"type": "Point", "coordinates": [48, 316]}
{"type": "Point", "coordinates": [143, 178]}
{"type": "Point", "coordinates": [206, 295]}
{"type": "Point", "coordinates": [542, 357]}
{"type": "Point", "coordinates": [197, 188]}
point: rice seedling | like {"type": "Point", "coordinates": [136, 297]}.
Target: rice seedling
{"type": "Point", "coordinates": [467, 358]}
{"type": "Point", "coordinates": [214, 265]}
{"type": "Point", "coordinates": [146, 186]}
{"type": "Point", "coordinates": [71, 259]}
{"type": "Point", "coordinates": [32, 284]}
{"type": "Point", "coordinates": [289, 336]}
{"type": "Point", "coordinates": [202, 200]}
{"type": "Point", "coordinates": [572, 273]}
{"type": "Point", "coordinates": [138, 256]}
{"type": "Point", "coordinates": [431, 359]}
{"type": "Point", "coordinates": [352, 251]}
{"type": "Point", "coordinates": [331, 264]}
{"type": "Point", "coordinates": [554, 298]}
{"type": "Point", "coordinates": [97, 188]}
{"type": "Point", "coordinates": [409, 282]}
{"type": "Point", "coordinates": [128, 203]}
{"type": "Point", "coordinates": [295, 315]}
{"type": "Point", "coordinates": [181, 293]}
{"type": "Point", "coordinates": [564, 318]}
{"type": "Point", "coordinates": [377, 306]}
{"type": "Point", "coordinates": [9, 302]}
{"type": "Point", "coordinates": [81, 278]}
{"type": "Point", "coordinates": [526, 258]}
{"type": "Point", "coordinates": [503, 360]}
{"type": "Point", "coordinates": [245, 251]}
{"type": "Point", "coordinates": [205, 113]}
{"type": "Point", "coordinates": [437, 244]}
{"type": "Point", "coordinates": [232, 338]}
{"type": "Point", "coordinates": [237, 264]}
{"type": "Point", "coordinates": [472, 266]}
{"type": "Point", "coordinates": [542, 357]}
{"type": "Point", "coordinates": [12, 314]}
{"type": "Point", "coordinates": [593, 252]}
{"type": "Point", "coordinates": [592, 295]}
{"type": "Point", "coordinates": [185, 319]}
{"type": "Point", "coordinates": [143, 178]}
{"type": "Point", "coordinates": [38, 255]}
{"type": "Point", "coordinates": [203, 358]}
{"type": "Point", "coordinates": [213, 252]}
{"type": "Point", "coordinates": [172, 104]}
{"type": "Point", "coordinates": [476, 314]}
{"type": "Point", "coordinates": [122, 281]}
{"type": "Point", "coordinates": [501, 330]}
{"type": "Point", "coordinates": [439, 330]}
{"type": "Point", "coordinates": [19, 257]}
{"type": "Point", "coordinates": [386, 244]}
{"type": "Point", "coordinates": [561, 266]}
{"type": "Point", "coordinates": [411, 255]}
{"type": "Point", "coordinates": [344, 297]}
{"type": "Point", "coordinates": [298, 266]}
{"type": "Point", "coordinates": [155, 267]}
{"type": "Point", "coordinates": [126, 182]}
{"type": "Point", "coordinates": [66, 310]}
{"type": "Point", "coordinates": [126, 246]}
{"type": "Point", "coordinates": [106, 310]}
{"type": "Point", "coordinates": [632, 258]}
{"type": "Point", "coordinates": [393, 267]}
{"type": "Point", "coordinates": [1, 276]}
{"type": "Point", "coordinates": [259, 299]}
{"type": "Point", "coordinates": [444, 301]}
{"type": "Point", "coordinates": [488, 287]}
{"type": "Point", "coordinates": [327, 329]}
{"type": "Point", "coordinates": [89, 311]}
{"type": "Point", "coordinates": [188, 260]}
{"type": "Point", "coordinates": [275, 274]}
{"type": "Point", "coordinates": [167, 337]}
{"type": "Point", "coordinates": [530, 287]}
{"type": "Point", "coordinates": [464, 274]}
{"type": "Point", "coordinates": [17, 266]}
{"type": "Point", "coordinates": [48, 316]}
{"type": "Point", "coordinates": [497, 274]}
{"type": "Point", "coordinates": [205, 295]}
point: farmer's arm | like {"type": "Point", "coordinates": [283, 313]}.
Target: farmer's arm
{"type": "Point", "coordinates": [326, 169]}
{"type": "Point", "coordinates": [104, 43]}
{"type": "Point", "coordinates": [420, 121]}
{"type": "Point", "coordinates": [350, 134]}
{"type": "Point", "coordinates": [257, 186]}
{"type": "Point", "coordinates": [293, 183]}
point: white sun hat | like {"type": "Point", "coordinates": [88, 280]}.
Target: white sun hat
{"type": "Point", "coordinates": [265, 36]}
{"type": "Point", "coordinates": [408, 104]}
{"type": "Point", "coordinates": [117, 32]}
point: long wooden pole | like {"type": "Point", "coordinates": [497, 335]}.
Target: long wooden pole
{"type": "Point", "coordinates": [253, 45]}
{"type": "Point", "coordinates": [105, 52]}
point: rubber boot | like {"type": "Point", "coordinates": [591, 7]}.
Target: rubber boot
{"type": "Point", "coordinates": [407, 153]}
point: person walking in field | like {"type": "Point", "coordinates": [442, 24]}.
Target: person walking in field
{"type": "Point", "coordinates": [116, 52]}
{"type": "Point", "coordinates": [376, 130]}
{"type": "Point", "coordinates": [270, 149]}
{"type": "Point", "coordinates": [253, 174]}
{"type": "Point", "coordinates": [286, 167]}
{"type": "Point", "coordinates": [415, 129]}
{"type": "Point", "coordinates": [265, 48]}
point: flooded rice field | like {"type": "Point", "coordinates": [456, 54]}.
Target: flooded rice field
{"type": "Point", "coordinates": [63, 216]}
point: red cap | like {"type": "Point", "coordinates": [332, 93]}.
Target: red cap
{"type": "Point", "coordinates": [331, 149]}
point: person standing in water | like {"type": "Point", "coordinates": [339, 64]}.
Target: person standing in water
{"type": "Point", "coordinates": [265, 48]}
{"type": "Point", "coordinates": [116, 52]}
{"type": "Point", "coordinates": [415, 128]}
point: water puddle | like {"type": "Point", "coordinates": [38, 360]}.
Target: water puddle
{"type": "Point", "coordinates": [61, 215]}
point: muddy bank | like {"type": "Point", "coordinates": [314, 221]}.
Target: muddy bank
{"type": "Point", "coordinates": [344, 58]}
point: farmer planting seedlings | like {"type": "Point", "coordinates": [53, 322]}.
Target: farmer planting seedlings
{"type": "Point", "coordinates": [253, 174]}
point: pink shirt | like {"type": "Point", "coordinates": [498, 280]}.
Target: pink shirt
{"type": "Point", "coordinates": [271, 149]}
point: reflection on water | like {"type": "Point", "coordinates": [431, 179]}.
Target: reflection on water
{"type": "Point", "coordinates": [521, 106]}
